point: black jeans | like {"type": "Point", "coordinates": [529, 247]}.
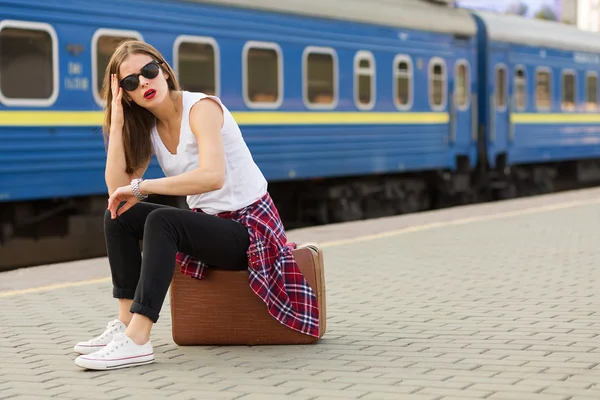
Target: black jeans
{"type": "Point", "coordinates": [166, 230]}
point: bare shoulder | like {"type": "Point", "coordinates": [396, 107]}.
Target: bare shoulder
{"type": "Point", "coordinates": [206, 121]}
{"type": "Point", "coordinates": [207, 113]}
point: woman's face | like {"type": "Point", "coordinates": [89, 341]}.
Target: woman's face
{"type": "Point", "coordinates": [143, 81]}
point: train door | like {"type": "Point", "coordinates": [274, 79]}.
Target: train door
{"type": "Point", "coordinates": [518, 103]}
{"type": "Point", "coordinates": [499, 105]}
{"type": "Point", "coordinates": [460, 106]}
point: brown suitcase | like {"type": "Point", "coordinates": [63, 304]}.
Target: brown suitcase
{"type": "Point", "coordinates": [222, 309]}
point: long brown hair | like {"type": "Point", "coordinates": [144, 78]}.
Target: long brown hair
{"type": "Point", "coordinates": [137, 141]}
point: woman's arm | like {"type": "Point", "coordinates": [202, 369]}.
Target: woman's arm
{"type": "Point", "coordinates": [115, 173]}
{"type": "Point", "coordinates": [206, 120]}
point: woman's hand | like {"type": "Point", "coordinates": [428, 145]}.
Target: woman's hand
{"type": "Point", "coordinates": [122, 194]}
{"type": "Point", "coordinates": [116, 114]}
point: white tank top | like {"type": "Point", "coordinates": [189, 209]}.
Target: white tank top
{"type": "Point", "coordinates": [244, 182]}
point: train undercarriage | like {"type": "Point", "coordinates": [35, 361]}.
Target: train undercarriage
{"type": "Point", "coordinates": [58, 230]}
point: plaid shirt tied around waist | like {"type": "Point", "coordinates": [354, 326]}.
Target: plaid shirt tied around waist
{"type": "Point", "coordinates": [273, 273]}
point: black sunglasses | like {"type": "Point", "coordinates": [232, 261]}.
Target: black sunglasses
{"type": "Point", "coordinates": [149, 71]}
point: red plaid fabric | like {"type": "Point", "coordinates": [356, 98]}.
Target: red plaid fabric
{"type": "Point", "coordinates": [274, 275]}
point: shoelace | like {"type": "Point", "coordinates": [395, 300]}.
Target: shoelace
{"type": "Point", "coordinates": [102, 337]}
{"type": "Point", "coordinates": [115, 344]}
{"type": "Point", "coordinates": [115, 348]}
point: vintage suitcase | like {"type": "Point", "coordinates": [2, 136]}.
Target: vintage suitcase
{"type": "Point", "coordinates": [221, 309]}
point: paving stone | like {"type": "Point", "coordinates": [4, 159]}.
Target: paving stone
{"type": "Point", "coordinates": [497, 305]}
{"type": "Point", "coordinates": [195, 394]}
{"type": "Point", "coordinates": [392, 396]}
{"type": "Point", "coordinates": [570, 391]}
{"type": "Point", "coordinates": [347, 394]}
{"type": "Point", "coordinates": [465, 393]}
{"type": "Point", "coordinates": [525, 396]}
{"type": "Point", "coordinates": [267, 396]}
{"type": "Point", "coordinates": [91, 394]}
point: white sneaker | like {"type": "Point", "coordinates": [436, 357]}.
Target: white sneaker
{"type": "Point", "coordinates": [121, 352]}
{"type": "Point", "coordinates": [113, 327]}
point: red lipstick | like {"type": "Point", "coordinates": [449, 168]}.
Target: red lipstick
{"type": "Point", "coordinates": [149, 94]}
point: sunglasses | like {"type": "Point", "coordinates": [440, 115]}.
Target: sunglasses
{"type": "Point", "coordinates": [149, 71]}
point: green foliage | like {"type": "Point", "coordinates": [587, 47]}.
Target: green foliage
{"type": "Point", "coordinates": [545, 12]}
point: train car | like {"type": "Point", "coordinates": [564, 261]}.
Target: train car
{"type": "Point", "coordinates": [539, 102]}
{"type": "Point", "coordinates": [350, 108]}
{"type": "Point", "coordinates": [344, 114]}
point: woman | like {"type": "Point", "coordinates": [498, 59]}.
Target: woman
{"type": "Point", "coordinates": [232, 223]}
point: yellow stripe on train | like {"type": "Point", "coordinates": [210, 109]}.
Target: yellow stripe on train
{"type": "Point", "coordinates": [555, 118]}
{"type": "Point", "coordinates": [94, 118]}
{"type": "Point", "coordinates": [339, 118]}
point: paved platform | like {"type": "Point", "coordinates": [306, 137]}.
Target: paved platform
{"type": "Point", "coordinates": [494, 301]}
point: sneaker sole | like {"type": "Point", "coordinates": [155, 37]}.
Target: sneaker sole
{"type": "Point", "coordinates": [103, 366]}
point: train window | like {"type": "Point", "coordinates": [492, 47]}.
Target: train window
{"type": "Point", "coordinates": [364, 80]}
{"type": "Point", "coordinates": [437, 84]}
{"type": "Point", "coordinates": [462, 84]}
{"type": "Point", "coordinates": [28, 64]}
{"type": "Point", "coordinates": [263, 74]}
{"type": "Point", "coordinates": [320, 69]}
{"type": "Point", "coordinates": [520, 88]}
{"type": "Point", "coordinates": [403, 74]}
{"type": "Point", "coordinates": [543, 90]}
{"type": "Point", "coordinates": [591, 96]}
{"type": "Point", "coordinates": [196, 62]}
{"type": "Point", "coordinates": [104, 43]}
{"type": "Point", "coordinates": [568, 91]}
{"type": "Point", "coordinates": [501, 86]}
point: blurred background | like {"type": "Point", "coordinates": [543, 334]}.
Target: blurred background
{"type": "Point", "coordinates": [352, 109]}
{"type": "Point", "coordinates": [582, 13]}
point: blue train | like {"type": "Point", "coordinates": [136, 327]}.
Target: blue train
{"type": "Point", "coordinates": [352, 109]}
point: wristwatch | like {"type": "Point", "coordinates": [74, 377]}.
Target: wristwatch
{"type": "Point", "coordinates": [135, 188]}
